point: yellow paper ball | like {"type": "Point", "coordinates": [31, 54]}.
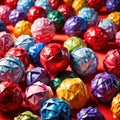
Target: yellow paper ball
{"type": "Point", "coordinates": [74, 91]}
{"type": "Point", "coordinates": [79, 4]}
{"type": "Point", "coordinates": [22, 27]}
{"type": "Point", "coordinates": [115, 106]}
{"type": "Point", "coordinates": [115, 17]}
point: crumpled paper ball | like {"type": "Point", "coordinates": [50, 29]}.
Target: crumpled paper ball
{"type": "Point", "coordinates": [68, 91]}
{"type": "Point", "coordinates": [90, 113]}
{"type": "Point", "coordinates": [55, 109]}
{"type": "Point", "coordinates": [27, 115]}
{"type": "Point", "coordinates": [10, 96]}
{"type": "Point", "coordinates": [19, 53]}
{"type": "Point", "coordinates": [79, 4]}
{"type": "Point", "coordinates": [117, 38]}
{"type": "Point", "coordinates": [36, 94]}
{"type": "Point", "coordinates": [83, 61]}
{"type": "Point", "coordinates": [57, 80]}
{"type": "Point", "coordinates": [111, 61]}
{"type": "Point", "coordinates": [44, 4]}
{"type": "Point", "coordinates": [43, 30]}
{"type": "Point", "coordinates": [113, 5]}
{"type": "Point", "coordinates": [67, 10]}
{"type": "Point", "coordinates": [105, 86]}
{"type": "Point", "coordinates": [16, 16]}
{"type": "Point", "coordinates": [74, 42]}
{"type": "Point", "coordinates": [34, 53]}
{"type": "Point", "coordinates": [22, 27]}
{"type": "Point", "coordinates": [11, 68]}
{"type": "Point", "coordinates": [6, 42]}
{"type": "Point", "coordinates": [24, 41]}
{"type": "Point", "coordinates": [75, 26]}
{"type": "Point", "coordinates": [4, 13]}
{"type": "Point", "coordinates": [2, 26]}
{"type": "Point", "coordinates": [11, 3]}
{"type": "Point", "coordinates": [109, 26]}
{"type": "Point", "coordinates": [89, 15]}
{"type": "Point", "coordinates": [115, 17]}
{"type": "Point", "coordinates": [25, 5]}
{"type": "Point", "coordinates": [57, 18]}
{"type": "Point", "coordinates": [115, 106]}
{"type": "Point", "coordinates": [55, 58]}
{"type": "Point", "coordinates": [55, 3]}
{"type": "Point", "coordinates": [37, 74]}
{"type": "Point", "coordinates": [96, 38]}
{"type": "Point", "coordinates": [96, 4]}
{"type": "Point", "coordinates": [35, 12]}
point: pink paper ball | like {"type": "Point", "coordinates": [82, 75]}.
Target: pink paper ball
{"type": "Point", "coordinates": [4, 13]}
{"type": "Point", "coordinates": [6, 42]}
{"type": "Point", "coordinates": [43, 30]}
{"type": "Point", "coordinates": [117, 38]}
{"type": "Point", "coordinates": [36, 94]}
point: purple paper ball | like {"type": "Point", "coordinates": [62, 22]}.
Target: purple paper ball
{"type": "Point", "coordinates": [37, 74]}
{"type": "Point", "coordinates": [89, 15]}
{"type": "Point", "coordinates": [90, 113]}
{"type": "Point", "coordinates": [75, 26]}
{"type": "Point", "coordinates": [34, 53]}
{"type": "Point", "coordinates": [105, 86]}
{"type": "Point", "coordinates": [16, 15]}
{"type": "Point", "coordinates": [83, 61]}
{"type": "Point", "coordinates": [2, 26]}
{"type": "Point", "coordinates": [113, 5]}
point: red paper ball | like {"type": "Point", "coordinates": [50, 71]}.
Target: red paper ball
{"type": "Point", "coordinates": [21, 54]}
{"type": "Point", "coordinates": [54, 58]}
{"type": "Point", "coordinates": [55, 3]}
{"type": "Point", "coordinates": [67, 10]}
{"type": "Point", "coordinates": [96, 38]}
{"type": "Point", "coordinates": [10, 96]}
{"type": "Point", "coordinates": [35, 12]}
{"type": "Point", "coordinates": [111, 61]}
{"type": "Point", "coordinates": [11, 3]}
{"type": "Point", "coordinates": [96, 4]}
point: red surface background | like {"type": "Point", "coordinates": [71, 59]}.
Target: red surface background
{"type": "Point", "coordinates": [105, 109]}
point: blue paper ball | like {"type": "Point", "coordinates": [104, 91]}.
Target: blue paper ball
{"type": "Point", "coordinates": [109, 26]}
{"type": "Point", "coordinates": [24, 41]}
{"type": "Point", "coordinates": [2, 26]}
{"type": "Point", "coordinates": [89, 15]}
{"type": "Point", "coordinates": [25, 5]}
{"type": "Point", "coordinates": [16, 15]}
{"type": "Point", "coordinates": [84, 61]}
{"type": "Point", "coordinates": [75, 26]}
{"type": "Point", "coordinates": [11, 68]}
{"type": "Point", "coordinates": [113, 5]}
{"type": "Point", "coordinates": [44, 4]}
{"type": "Point", "coordinates": [55, 109]}
{"type": "Point", "coordinates": [90, 113]}
{"type": "Point", "coordinates": [34, 53]}
{"type": "Point", "coordinates": [37, 74]}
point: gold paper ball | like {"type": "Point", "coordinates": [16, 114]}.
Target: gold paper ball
{"type": "Point", "coordinates": [79, 4]}
{"type": "Point", "coordinates": [115, 106]}
{"type": "Point", "coordinates": [22, 27]}
{"type": "Point", "coordinates": [74, 91]}
{"type": "Point", "coordinates": [115, 17]}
